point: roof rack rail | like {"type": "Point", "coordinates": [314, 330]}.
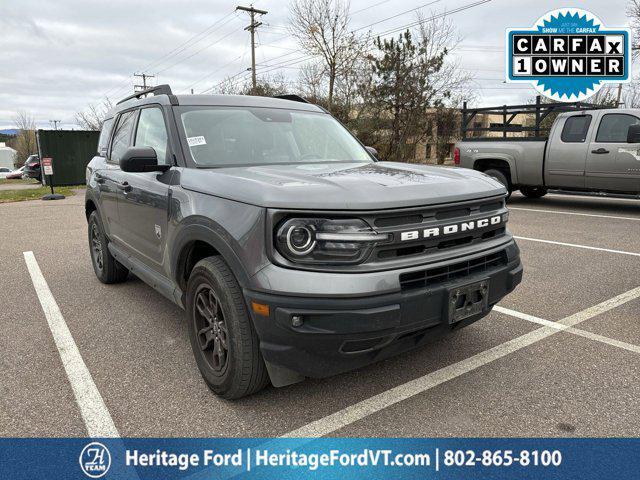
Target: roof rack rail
{"type": "Point", "coordinates": [293, 97]}
{"type": "Point", "coordinates": [163, 89]}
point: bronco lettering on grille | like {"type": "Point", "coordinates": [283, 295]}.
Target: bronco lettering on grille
{"type": "Point", "coordinates": [450, 229]}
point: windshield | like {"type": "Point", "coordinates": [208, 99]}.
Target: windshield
{"type": "Point", "coordinates": [229, 136]}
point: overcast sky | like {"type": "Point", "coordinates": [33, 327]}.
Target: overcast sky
{"type": "Point", "coordinates": [58, 56]}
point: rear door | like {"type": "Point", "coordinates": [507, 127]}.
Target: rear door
{"type": "Point", "coordinates": [612, 163]}
{"type": "Point", "coordinates": [566, 159]}
{"type": "Point", "coordinates": [143, 201]}
{"type": "Point", "coordinates": [109, 177]}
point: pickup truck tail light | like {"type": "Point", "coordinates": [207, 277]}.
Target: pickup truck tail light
{"type": "Point", "coordinates": [326, 241]}
{"type": "Point", "coordinates": [456, 156]}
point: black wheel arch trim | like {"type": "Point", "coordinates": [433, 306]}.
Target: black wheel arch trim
{"type": "Point", "coordinates": [206, 231]}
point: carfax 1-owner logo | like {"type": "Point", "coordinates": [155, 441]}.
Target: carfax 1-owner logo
{"type": "Point", "coordinates": [568, 55]}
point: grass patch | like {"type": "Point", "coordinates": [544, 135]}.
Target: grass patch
{"type": "Point", "coordinates": [19, 181]}
{"type": "Point", "coordinates": [33, 193]}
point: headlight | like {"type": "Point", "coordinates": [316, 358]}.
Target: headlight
{"type": "Point", "coordinates": [326, 241]}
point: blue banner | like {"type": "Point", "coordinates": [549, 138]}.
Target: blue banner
{"type": "Point", "coordinates": [217, 458]}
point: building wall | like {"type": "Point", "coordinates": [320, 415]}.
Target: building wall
{"type": "Point", "coordinates": [7, 155]}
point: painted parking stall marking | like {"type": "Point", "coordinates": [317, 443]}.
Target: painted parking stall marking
{"type": "Point", "coordinates": [575, 245]}
{"type": "Point", "coordinates": [576, 331]}
{"type": "Point", "coordinates": [94, 412]}
{"type": "Point", "coordinates": [560, 212]}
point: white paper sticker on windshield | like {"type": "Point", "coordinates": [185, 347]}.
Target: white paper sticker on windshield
{"type": "Point", "coordinates": [193, 141]}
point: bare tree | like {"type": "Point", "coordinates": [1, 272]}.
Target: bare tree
{"type": "Point", "coordinates": [322, 29]}
{"type": "Point", "coordinates": [631, 94]}
{"type": "Point", "coordinates": [25, 142]}
{"type": "Point", "coordinates": [93, 116]}
{"type": "Point", "coordinates": [633, 12]}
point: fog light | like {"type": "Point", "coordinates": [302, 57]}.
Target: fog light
{"type": "Point", "coordinates": [297, 321]}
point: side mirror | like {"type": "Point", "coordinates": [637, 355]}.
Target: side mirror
{"type": "Point", "coordinates": [372, 151]}
{"type": "Point", "coordinates": [633, 134]}
{"type": "Point", "coordinates": [141, 159]}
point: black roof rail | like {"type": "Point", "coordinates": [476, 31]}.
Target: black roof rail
{"type": "Point", "coordinates": [163, 89]}
{"type": "Point", "coordinates": [293, 97]}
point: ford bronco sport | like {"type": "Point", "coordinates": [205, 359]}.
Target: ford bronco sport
{"type": "Point", "coordinates": [293, 250]}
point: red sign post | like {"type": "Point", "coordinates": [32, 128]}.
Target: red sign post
{"type": "Point", "coordinates": [47, 169]}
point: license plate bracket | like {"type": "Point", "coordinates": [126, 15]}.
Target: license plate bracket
{"type": "Point", "coordinates": [468, 300]}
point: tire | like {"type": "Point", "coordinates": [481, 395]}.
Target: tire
{"type": "Point", "coordinates": [533, 192]}
{"type": "Point", "coordinates": [223, 338]}
{"type": "Point", "coordinates": [107, 268]}
{"type": "Point", "coordinates": [501, 177]}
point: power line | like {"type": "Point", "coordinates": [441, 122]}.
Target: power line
{"type": "Point", "coordinates": [180, 48]}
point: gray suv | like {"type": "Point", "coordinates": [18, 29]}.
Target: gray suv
{"type": "Point", "coordinates": [293, 250]}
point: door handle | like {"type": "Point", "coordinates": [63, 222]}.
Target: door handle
{"type": "Point", "coordinates": [124, 186]}
{"type": "Point", "coordinates": [600, 151]}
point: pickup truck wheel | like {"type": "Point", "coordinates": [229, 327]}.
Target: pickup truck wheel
{"type": "Point", "coordinates": [223, 338]}
{"type": "Point", "coordinates": [107, 268]}
{"type": "Point", "coordinates": [501, 177]}
{"type": "Point", "coordinates": [533, 192]}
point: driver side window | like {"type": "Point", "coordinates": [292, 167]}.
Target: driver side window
{"type": "Point", "coordinates": [152, 132]}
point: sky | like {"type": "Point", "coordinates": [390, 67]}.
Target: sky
{"type": "Point", "coordinates": [57, 57]}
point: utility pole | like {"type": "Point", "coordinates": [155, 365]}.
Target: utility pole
{"type": "Point", "coordinates": [619, 95]}
{"type": "Point", "coordinates": [144, 77]}
{"type": "Point", "coordinates": [54, 123]}
{"type": "Point", "coordinates": [252, 29]}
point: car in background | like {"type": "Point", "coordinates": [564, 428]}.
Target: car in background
{"type": "Point", "coordinates": [15, 174]}
{"type": "Point", "coordinates": [4, 171]}
{"type": "Point", "coordinates": [32, 167]}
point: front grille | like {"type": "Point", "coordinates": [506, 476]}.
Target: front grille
{"type": "Point", "coordinates": [420, 219]}
{"type": "Point", "coordinates": [432, 276]}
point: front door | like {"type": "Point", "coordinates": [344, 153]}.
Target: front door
{"type": "Point", "coordinates": [612, 163]}
{"type": "Point", "coordinates": [565, 162]}
{"type": "Point", "coordinates": [143, 204]}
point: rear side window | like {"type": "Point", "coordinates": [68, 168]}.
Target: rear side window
{"type": "Point", "coordinates": [613, 127]}
{"type": "Point", "coordinates": [122, 136]}
{"type": "Point", "coordinates": [103, 142]}
{"type": "Point", "coordinates": [575, 129]}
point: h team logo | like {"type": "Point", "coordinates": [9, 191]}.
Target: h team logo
{"type": "Point", "coordinates": [95, 460]}
{"type": "Point", "coordinates": [568, 55]}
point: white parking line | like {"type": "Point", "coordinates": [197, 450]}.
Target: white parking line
{"type": "Point", "coordinates": [360, 410]}
{"type": "Point", "coordinates": [576, 331]}
{"type": "Point", "coordinates": [562, 212]}
{"type": "Point", "coordinates": [575, 245]}
{"type": "Point", "coordinates": [92, 407]}
{"type": "Point", "coordinates": [593, 198]}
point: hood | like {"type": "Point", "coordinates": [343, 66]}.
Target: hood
{"type": "Point", "coordinates": [342, 186]}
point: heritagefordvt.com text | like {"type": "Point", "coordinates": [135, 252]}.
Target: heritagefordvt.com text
{"type": "Point", "coordinates": [250, 458]}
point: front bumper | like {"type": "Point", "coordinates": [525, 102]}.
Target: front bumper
{"type": "Point", "coordinates": [339, 334]}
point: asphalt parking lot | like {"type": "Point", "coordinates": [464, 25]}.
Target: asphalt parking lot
{"type": "Point", "coordinates": [559, 357]}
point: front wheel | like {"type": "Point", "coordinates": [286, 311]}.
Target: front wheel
{"type": "Point", "coordinates": [223, 339]}
{"type": "Point", "coordinates": [106, 267]}
{"type": "Point", "coordinates": [533, 192]}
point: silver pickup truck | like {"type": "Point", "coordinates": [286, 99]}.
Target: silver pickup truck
{"type": "Point", "coordinates": [586, 151]}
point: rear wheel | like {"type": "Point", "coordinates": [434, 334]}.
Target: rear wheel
{"type": "Point", "coordinates": [533, 192]}
{"type": "Point", "coordinates": [107, 268]}
{"type": "Point", "coordinates": [223, 339]}
{"type": "Point", "coordinates": [501, 177]}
